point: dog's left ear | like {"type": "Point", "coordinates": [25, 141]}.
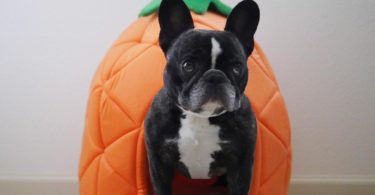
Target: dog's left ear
{"type": "Point", "coordinates": [243, 22]}
{"type": "Point", "coordinates": [174, 19]}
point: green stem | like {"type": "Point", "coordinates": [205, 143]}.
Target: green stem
{"type": "Point", "coordinates": [197, 6]}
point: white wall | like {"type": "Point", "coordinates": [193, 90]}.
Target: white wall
{"type": "Point", "coordinates": [322, 53]}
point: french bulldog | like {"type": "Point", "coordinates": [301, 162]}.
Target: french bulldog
{"type": "Point", "coordinates": [200, 123]}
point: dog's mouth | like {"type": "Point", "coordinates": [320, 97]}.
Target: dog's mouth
{"type": "Point", "coordinates": [209, 100]}
{"type": "Point", "coordinates": [209, 109]}
{"type": "Point", "coordinates": [212, 108]}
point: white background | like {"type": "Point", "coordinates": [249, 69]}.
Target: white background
{"type": "Point", "coordinates": [323, 54]}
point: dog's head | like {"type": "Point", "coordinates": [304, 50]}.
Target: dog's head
{"type": "Point", "coordinates": [206, 72]}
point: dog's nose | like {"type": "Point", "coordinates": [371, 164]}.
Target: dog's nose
{"type": "Point", "coordinates": [214, 76]}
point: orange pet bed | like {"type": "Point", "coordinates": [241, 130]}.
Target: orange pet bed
{"type": "Point", "coordinates": [113, 158]}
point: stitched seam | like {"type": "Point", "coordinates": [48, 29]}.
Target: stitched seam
{"type": "Point", "coordinates": [124, 42]}
{"type": "Point", "coordinates": [275, 137]}
{"type": "Point", "coordinates": [143, 33]}
{"type": "Point", "coordinates": [97, 178]}
{"type": "Point", "coordinates": [126, 65]}
{"type": "Point", "coordinates": [266, 61]}
{"type": "Point", "coordinates": [122, 135]}
{"type": "Point", "coordinates": [268, 103]}
{"type": "Point", "coordinates": [275, 134]}
{"type": "Point", "coordinates": [94, 88]}
{"type": "Point", "coordinates": [264, 72]}
{"type": "Point", "coordinates": [118, 174]}
{"type": "Point", "coordinates": [109, 97]}
{"type": "Point", "coordinates": [105, 61]}
{"type": "Point", "coordinates": [147, 26]}
{"type": "Point", "coordinates": [273, 172]}
{"type": "Point", "coordinates": [139, 41]}
{"type": "Point", "coordinates": [146, 29]}
{"type": "Point", "coordinates": [136, 164]}
{"type": "Point", "coordinates": [125, 51]}
{"type": "Point", "coordinates": [117, 139]}
{"type": "Point", "coordinates": [285, 148]}
{"type": "Point", "coordinates": [91, 139]}
{"type": "Point", "coordinates": [100, 135]}
{"type": "Point", "coordinates": [90, 163]}
{"type": "Point", "coordinates": [100, 118]}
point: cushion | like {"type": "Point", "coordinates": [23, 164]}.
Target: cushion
{"type": "Point", "coordinates": [113, 158]}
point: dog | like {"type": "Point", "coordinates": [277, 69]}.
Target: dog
{"type": "Point", "coordinates": [200, 123]}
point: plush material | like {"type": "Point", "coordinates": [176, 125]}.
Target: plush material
{"type": "Point", "coordinates": [113, 158]}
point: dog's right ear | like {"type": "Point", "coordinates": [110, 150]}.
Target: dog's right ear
{"type": "Point", "coordinates": [174, 19]}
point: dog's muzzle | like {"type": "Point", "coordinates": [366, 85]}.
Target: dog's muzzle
{"type": "Point", "coordinates": [213, 94]}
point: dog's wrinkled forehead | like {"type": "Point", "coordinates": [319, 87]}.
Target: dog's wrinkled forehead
{"type": "Point", "coordinates": [206, 45]}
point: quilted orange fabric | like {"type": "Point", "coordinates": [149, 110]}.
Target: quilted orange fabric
{"type": "Point", "coordinates": [113, 159]}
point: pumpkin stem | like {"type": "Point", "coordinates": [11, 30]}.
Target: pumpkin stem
{"type": "Point", "coordinates": [197, 6]}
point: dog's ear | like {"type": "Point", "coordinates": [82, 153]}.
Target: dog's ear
{"type": "Point", "coordinates": [243, 22]}
{"type": "Point", "coordinates": [174, 19]}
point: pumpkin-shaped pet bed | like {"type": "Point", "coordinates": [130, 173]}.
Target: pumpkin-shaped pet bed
{"type": "Point", "coordinates": [113, 158]}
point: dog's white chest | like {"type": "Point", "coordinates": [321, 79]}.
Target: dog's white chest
{"type": "Point", "coordinates": [198, 139]}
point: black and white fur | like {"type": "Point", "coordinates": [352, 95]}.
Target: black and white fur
{"type": "Point", "coordinates": [201, 123]}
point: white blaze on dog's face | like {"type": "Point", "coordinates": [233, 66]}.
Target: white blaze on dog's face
{"type": "Point", "coordinates": [206, 71]}
{"type": "Point", "coordinates": [215, 51]}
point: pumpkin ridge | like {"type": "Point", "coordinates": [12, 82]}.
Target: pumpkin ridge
{"type": "Point", "coordinates": [268, 102]}
{"type": "Point", "coordinates": [90, 162]}
{"type": "Point", "coordinates": [279, 137]}
{"type": "Point", "coordinates": [263, 56]}
{"type": "Point", "coordinates": [117, 139]}
{"type": "Point", "coordinates": [97, 176]}
{"type": "Point", "coordinates": [115, 171]}
{"type": "Point", "coordinates": [133, 59]}
{"type": "Point", "coordinates": [273, 172]}
{"type": "Point", "coordinates": [109, 96]}
{"type": "Point", "coordinates": [125, 51]}
{"type": "Point", "coordinates": [262, 68]}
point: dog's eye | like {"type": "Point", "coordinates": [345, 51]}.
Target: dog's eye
{"type": "Point", "coordinates": [236, 69]}
{"type": "Point", "coordinates": [188, 66]}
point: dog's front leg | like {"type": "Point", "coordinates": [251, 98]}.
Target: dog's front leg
{"type": "Point", "coordinates": [161, 175]}
{"type": "Point", "coordinates": [239, 177]}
